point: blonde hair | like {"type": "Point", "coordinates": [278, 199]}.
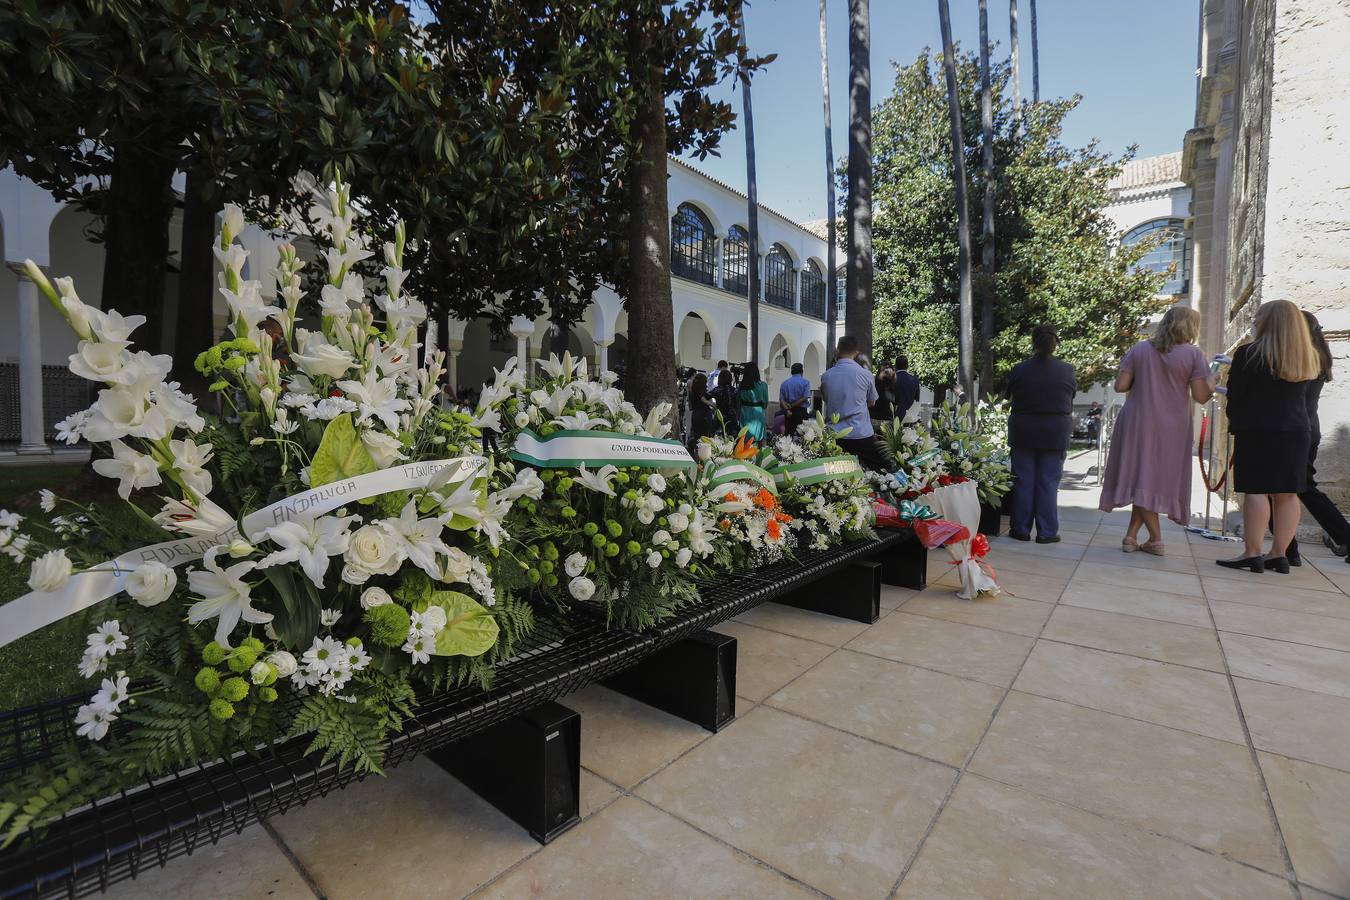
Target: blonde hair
{"type": "Point", "coordinates": [1181, 325]}
{"type": "Point", "coordinates": [1281, 340]}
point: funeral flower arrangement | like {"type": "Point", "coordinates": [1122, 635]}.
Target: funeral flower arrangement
{"type": "Point", "coordinates": [917, 452]}
{"type": "Point", "coordinates": [974, 445]}
{"type": "Point", "coordinates": [823, 487]}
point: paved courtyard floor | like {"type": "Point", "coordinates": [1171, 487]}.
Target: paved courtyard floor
{"type": "Point", "coordinates": [1113, 726]}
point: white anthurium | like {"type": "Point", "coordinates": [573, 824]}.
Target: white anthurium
{"type": "Point", "coordinates": [201, 518]}
{"type": "Point", "coordinates": [318, 358]}
{"type": "Point", "coordinates": [133, 469]}
{"type": "Point", "coordinates": [581, 422]}
{"type": "Point", "coordinates": [308, 541]}
{"type": "Point", "coordinates": [190, 459]}
{"type": "Point", "coordinates": [224, 596]}
{"type": "Point", "coordinates": [125, 411]}
{"type": "Point", "coordinates": [383, 448]}
{"type": "Point", "coordinates": [599, 480]}
{"type": "Point", "coordinates": [421, 537]}
{"type": "Point", "coordinates": [376, 398]}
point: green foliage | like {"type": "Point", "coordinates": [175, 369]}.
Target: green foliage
{"type": "Point", "coordinates": [43, 794]}
{"type": "Point", "coordinates": [389, 624]}
{"type": "Point", "coordinates": [1054, 244]}
{"type": "Point", "coordinates": [341, 454]}
{"type": "Point", "coordinates": [354, 733]}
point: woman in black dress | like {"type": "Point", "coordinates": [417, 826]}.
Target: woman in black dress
{"type": "Point", "coordinates": [1268, 417]}
{"type": "Point", "coordinates": [1319, 504]}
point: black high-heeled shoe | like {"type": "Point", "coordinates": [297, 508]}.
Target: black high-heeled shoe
{"type": "Point", "coordinates": [1278, 563]}
{"type": "Point", "coordinates": [1255, 563]}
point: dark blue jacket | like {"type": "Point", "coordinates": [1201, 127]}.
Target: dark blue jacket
{"type": "Point", "coordinates": [1041, 390]}
{"type": "Point", "coordinates": [906, 392]}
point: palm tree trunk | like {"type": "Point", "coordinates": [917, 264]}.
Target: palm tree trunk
{"type": "Point", "coordinates": [966, 374]}
{"type": "Point", "coordinates": [987, 235]}
{"type": "Point", "coordinates": [832, 278]}
{"type": "Point", "coordinates": [858, 284]}
{"type": "Point", "coordinates": [1035, 57]}
{"type": "Point", "coordinates": [194, 330]}
{"type": "Point", "coordinates": [752, 194]}
{"type": "Point", "coordinates": [651, 327]}
{"type": "Point", "coordinates": [1016, 63]}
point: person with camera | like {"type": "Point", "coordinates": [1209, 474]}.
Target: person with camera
{"type": "Point", "coordinates": [850, 392]}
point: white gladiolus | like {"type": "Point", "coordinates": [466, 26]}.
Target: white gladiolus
{"type": "Point", "coordinates": [318, 358]}
{"type": "Point", "coordinates": [190, 459]}
{"type": "Point", "coordinates": [231, 221]}
{"type": "Point", "coordinates": [372, 597]}
{"type": "Point", "coordinates": [125, 411]}
{"type": "Point", "coordinates": [134, 470]}
{"type": "Point", "coordinates": [151, 583]}
{"type": "Point", "coordinates": [50, 571]}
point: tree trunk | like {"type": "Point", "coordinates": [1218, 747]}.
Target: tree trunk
{"type": "Point", "coordinates": [967, 362]}
{"type": "Point", "coordinates": [1016, 63]}
{"type": "Point", "coordinates": [1035, 57]}
{"type": "Point", "coordinates": [832, 276]}
{"type": "Point", "coordinates": [987, 235]}
{"type": "Point", "coordinates": [858, 284]}
{"type": "Point", "coordinates": [752, 194]}
{"type": "Point", "coordinates": [137, 209]}
{"type": "Point", "coordinates": [195, 330]}
{"type": "Point", "coordinates": [651, 328]}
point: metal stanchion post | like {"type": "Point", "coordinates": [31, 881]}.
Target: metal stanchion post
{"type": "Point", "coordinates": [1224, 526]}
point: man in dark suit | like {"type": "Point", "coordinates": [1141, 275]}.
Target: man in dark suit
{"type": "Point", "coordinates": [906, 387]}
{"type": "Point", "coordinates": [1041, 389]}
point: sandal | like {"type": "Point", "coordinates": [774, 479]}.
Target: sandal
{"type": "Point", "coordinates": [1128, 545]}
{"type": "Point", "coordinates": [1154, 547]}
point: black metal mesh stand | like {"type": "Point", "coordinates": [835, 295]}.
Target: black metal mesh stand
{"type": "Point", "coordinates": [117, 837]}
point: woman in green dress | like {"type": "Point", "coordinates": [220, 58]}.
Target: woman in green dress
{"type": "Point", "coordinates": [754, 398]}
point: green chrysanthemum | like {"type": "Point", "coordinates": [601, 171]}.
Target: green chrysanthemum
{"type": "Point", "coordinates": [389, 624]}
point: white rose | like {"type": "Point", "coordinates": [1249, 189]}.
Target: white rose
{"type": "Point", "coordinates": [661, 538]}
{"type": "Point", "coordinates": [575, 565]}
{"type": "Point", "coordinates": [655, 503]}
{"type": "Point", "coordinates": [654, 559]}
{"type": "Point", "coordinates": [682, 557]}
{"type": "Point", "coordinates": [678, 522]}
{"type": "Point", "coordinates": [433, 617]}
{"type": "Point", "coordinates": [50, 571]}
{"type": "Point", "coordinates": [457, 566]}
{"type": "Point", "coordinates": [372, 597]}
{"type": "Point", "coordinates": [656, 482]}
{"type": "Point", "coordinates": [284, 662]}
{"type": "Point", "coordinates": [371, 551]}
{"type": "Point", "coordinates": [522, 419]}
{"type": "Point", "coordinates": [383, 448]}
{"type": "Point", "coordinates": [704, 451]}
{"type": "Point", "coordinates": [646, 516]}
{"type": "Point", "coordinates": [151, 583]}
{"type": "Point", "coordinates": [581, 587]}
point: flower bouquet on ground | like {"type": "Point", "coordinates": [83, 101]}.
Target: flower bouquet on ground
{"type": "Point", "coordinates": [308, 557]}
{"type": "Point", "coordinates": [959, 502]}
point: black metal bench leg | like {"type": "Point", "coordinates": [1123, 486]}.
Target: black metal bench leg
{"type": "Point", "coordinates": [991, 520]}
{"type": "Point", "coordinates": [906, 566]}
{"type": "Point", "coordinates": [694, 679]}
{"type": "Point", "coordinates": [541, 748]}
{"type": "Point", "coordinates": [853, 592]}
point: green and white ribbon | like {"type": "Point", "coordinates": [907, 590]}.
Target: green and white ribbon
{"type": "Point", "coordinates": [814, 471]}
{"type": "Point", "coordinates": [738, 470]}
{"type": "Point", "coordinates": [85, 588]}
{"type": "Point", "coordinates": [570, 449]}
{"type": "Point", "coordinates": [924, 457]}
{"type": "Point", "coordinates": [912, 511]}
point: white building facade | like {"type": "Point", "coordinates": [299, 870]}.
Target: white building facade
{"type": "Point", "coordinates": [710, 274]}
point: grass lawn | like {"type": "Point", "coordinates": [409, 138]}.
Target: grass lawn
{"type": "Point", "coordinates": [42, 665]}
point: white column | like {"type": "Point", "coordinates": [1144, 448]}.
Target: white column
{"type": "Point", "coordinates": [602, 354]}
{"type": "Point", "coordinates": [797, 289]}
{"type": "Point", "coordinates": [30, 370]}
{"type": "Point", "coordinates": [522, 328]}
{"type": "Point", "coordinates": [452, 367]}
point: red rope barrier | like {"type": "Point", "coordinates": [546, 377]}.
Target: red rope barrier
{"type": "Point", "coordinates": [1200, 455]}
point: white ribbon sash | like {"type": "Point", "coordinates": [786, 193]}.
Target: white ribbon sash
{"type": "Point", "coordinates": [569, 449]}
{"type": "Point", "coordinates": [814, 471]}
{"type": "Point", "coordinates": [39, 609]}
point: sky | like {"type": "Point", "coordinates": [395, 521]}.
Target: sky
{"type": "Point", "coordinates": [1134, 64]}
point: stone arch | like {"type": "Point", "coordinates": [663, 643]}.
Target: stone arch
{"type": "Point", "coordinates": [738, 344]}
{"type": "Point", "coordinates": [695, 341]}
{"type": "Point", "coordinates": [719, 228]}
{"type": "Point", "coordinates": [813, 362]}
{"type": "Point", "coordinates": [482, 353]}
{"type": "Point", "coordinates": [776, 364]}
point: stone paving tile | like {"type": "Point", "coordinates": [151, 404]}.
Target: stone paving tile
{"type": "Point", "coordinates": [248, 864]}
{"type": "Point", "coordinates": [420, 833]}
{"type": "Point", "coordinates": [1280, 662]}
{"type": "Point", "coordinates": [893, 597]}
{"type": "Point", "coordinates": [1049, 551]}
{"type": "Point", "coordinates": [966, 650]}
{"type": "Point", "coordinates": [1031, 565]}
{"type": "Point", "coordinates": [1173, 562]}
{"type": "Point", "coordinates": [624, 740]}
{"type": "Point", "coordinates": [634, 850]}
{"type": "Point", "coordinates": [1138, 579]}
{"type": "Point", "coordinates": [1313, 806]}
{"type": "Point", "coordinates": [843, 814]}
{"type": "Point", "coordinates": [1282, 625]}
{"type": "Point", "coordinates": [1024, 585]}
{"type": "Point", "coordinates": [1185, 645]}
{"type": "Point", "coordinates": [998, 841]}
{"type": "Point", "coordinates": [1001, 612]}
{"type": "Point", "coordinates": [1146, 604]}
{"type": "Point", "coordinates": [1261, 592]}
{"type": "Point", "coordinates": [1300, 724]}
{"type": "Point", "coordinates": [1305, 577]}
{"type": "Point", "coordinates": [1196, 789]}
{"type": "Point", "coordinates": [596, 792]}
{"type": "Point", "coordinates": [767, 660]}
{"type": "Point", "coordinates": [1175, 696]}
{"type": "Point", "coordinates": [803, 623]}
{"type": "Point", "coordinates": [938, 716]}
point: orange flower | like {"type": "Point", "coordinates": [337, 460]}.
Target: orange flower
{"type": "Point", "coordinates": [775, 530]}
{"type": "Point", "coordinates": [765, 499]}
{"type": "Point", "coordinates": [745, 447]}
{"type": "Point", "coordinates": [724, 524]}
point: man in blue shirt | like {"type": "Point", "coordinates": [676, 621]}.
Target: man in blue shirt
{"type": "Point", "coordinates": [906, 387]}
{"type": "Point", "coordinates": [794, 396]}
{"type": "Point", "coordinates": [849, 392]}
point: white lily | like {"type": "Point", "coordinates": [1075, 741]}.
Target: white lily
{"type": "Point", "coordinates": [598, 481]}
{"type": "Point", "coordinates": [422, 538]}
{"type": "Point", "coordinates": [557, 368]}
{"type": "Point", "coordinates": [317, 357]}
{"type": "Point", "coordinates": [487, 419]}
{"type": "Point", "coordinates": [133, 469]}
{"type": "Point", "coordinates": [309, 541]}
{"type": "Point", "coordinates": [225, 596]}
{"type": "Point", "coordinates": [581, 422]}
{"type": "Point", "coordinates": [202, 518]}
{"type": "Point", "coordinates": [376, 398]}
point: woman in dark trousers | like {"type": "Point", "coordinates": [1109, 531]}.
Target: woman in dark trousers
{"type": "Point", "coordinates": [884, 409]}
{"type": "Point", "coordinates": [1319, 504]}
{"type": "Point", "coordinates": [1272, 435]}
{"type": "Point", "coordinates": [702, 411]}
{"type": "Point", "coordinates": [1041, 389]}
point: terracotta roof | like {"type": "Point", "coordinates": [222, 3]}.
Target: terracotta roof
{"type": "Point", "coordinates": [820, 228]}
{"type": "Point", "coordinates": [1165, 169]}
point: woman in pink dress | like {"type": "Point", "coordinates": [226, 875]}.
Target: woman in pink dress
{"type": "Point", "coordinates": [1150, 464]}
